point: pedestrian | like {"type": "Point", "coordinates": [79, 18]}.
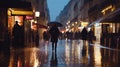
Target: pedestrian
{"type": "Point", "coordinates": [84, 34]}
{"type": "Point", "coordinates": [46, 36]}
{"type": "Point", "coordinates": [54, 33]}
{"type": "Point", "coordinates": [18, 35]}
{"type": "Point", "coordinates": [91, 36]}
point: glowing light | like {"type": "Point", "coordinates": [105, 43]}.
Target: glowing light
{"type": "Point", "coordinates": [66, 29]}
{"type": "Point", "coordinates": [69, 26]}
{"type": "Point", "coordinates": [84, 24]}
{"type": "Point", "coordinates": [35, 21]}
{"type": "Point", "coordinates": [97, 24]}
{"type": "Point", "coordinates": [97, 55]}
{"type": "Point", "coordinates": [75, 22]}
{"type": "Point", "coordinates": [72, 24]}
{"type": "Point", "coordinates": [37, 14]}
{"type": "Point", "coordinates": [110, 7]}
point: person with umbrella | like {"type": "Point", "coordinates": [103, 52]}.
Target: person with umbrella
{"type": "Point", "coordinates": [54, 33]}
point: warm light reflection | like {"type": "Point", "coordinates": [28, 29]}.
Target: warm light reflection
{"type": "Point", "coordinates": [97, 55]}
{"type": "Point", "coordinates": [32, 57]}
{"type": "Point", "coordinates": [67, 53]}
{"type": "Point", "coordinates": [19, 63]}
{"type": "Point", "coordinates": [72, 51]}
{"type": "Point", "coordinates": [11, 61]}
{"type": "Point", "coordinates": [78, 51]}
{"type": "Point", "coordinates": [75, 52]}
{"type": "Point", "coordinates": [85, 57]}
{"type": "Point", "coordinates": [35, 62]}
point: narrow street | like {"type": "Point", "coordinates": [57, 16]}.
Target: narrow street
{"type": "Point", "coordinates": [86, 32]}
{"type": "Point", "coordinates": [70, 53]}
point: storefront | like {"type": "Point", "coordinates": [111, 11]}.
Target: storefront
{"type": "Point", "coordinates": [20, 15]}
{"type": "Point", "coordinates": [106, 24]}
{"type": "Point", "coordinates": [113, 21]}
{"type": "Point", "coordinates": [8, 17]}
{"type": "Point", "coordinates": [24, 17]}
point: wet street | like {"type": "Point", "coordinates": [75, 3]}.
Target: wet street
{"type": "Point", "coordinates": [70, 53]}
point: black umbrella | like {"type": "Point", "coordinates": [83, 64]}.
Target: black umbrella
{"type": "Point", "coordinates": [55, 23]}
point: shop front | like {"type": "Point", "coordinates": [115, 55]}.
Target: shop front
{"type": "Point", "coordinates": [24, 17]}
{"type": "Point", "coordinates": [107, 28]}
{"type": "Point", "coordinates": [8, 17]}
{"type": "Point", "coordinates": [111, 27]}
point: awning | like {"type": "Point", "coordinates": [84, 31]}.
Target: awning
{"type": "Point", "coordinates": [21, 11]}
{"type": "Point", "coordinates": [112, 17]}
{"type": "Point", "coordinates": [14, 4]}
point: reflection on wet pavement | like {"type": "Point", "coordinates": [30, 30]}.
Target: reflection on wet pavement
{"type": "Point", "coordinates": [70, 53]}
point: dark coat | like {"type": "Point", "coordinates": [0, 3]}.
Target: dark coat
{"type": "Point", "coordinates": [46, 35]}
{"type": "Point", "coordinates": [18, 34]}
{"type": "Point", "coordinates": [90, 35]}
{"type": "Point", "coordinates": [84, 34]}
{"type": "Point", "coordinates": [54, 32]}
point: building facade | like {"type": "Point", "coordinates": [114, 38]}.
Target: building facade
{"type": "Point", "coordinates": [100, 15]}
{"type": "Point", "coordinates": [24, 12]}
{"type": "Point", "coordinates": [5, 19]}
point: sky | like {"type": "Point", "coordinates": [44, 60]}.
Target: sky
{"type": "Point", "coordinates": [55, 7]}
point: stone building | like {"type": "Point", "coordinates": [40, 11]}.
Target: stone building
{"type": "Point", "coordinates": [100, 15]}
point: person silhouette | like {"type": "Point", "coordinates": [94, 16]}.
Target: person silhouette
{"type": "Point", "coordinates": [18, 35]}
{"type": "Point", "coordinates": [54, 33]}
{"type": "Point", "coordinates": [46, 36]}
{"type": "Point", "coordinates": [84, 34]}
{"type": "Point", "coordinates": [90, 36]}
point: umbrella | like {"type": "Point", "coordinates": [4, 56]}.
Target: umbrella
{"type": "Point", "coordinates": [58, 24]}
{"type": "Point", "coordinates": [40, 25]}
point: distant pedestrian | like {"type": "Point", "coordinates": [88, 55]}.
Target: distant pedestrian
{"type": "Point", "coordinates": [84, 34]}
{"type": "Point", "coordinates": [91, 36]}
{"type": "Point", "coordinates": [46, 36]}
{"type": "Point", "coordinates": [18, 35]}
{"type": "Point", "coordinates": [54, 33]}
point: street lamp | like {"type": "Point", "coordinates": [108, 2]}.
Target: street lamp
{"type": "Point", "coordinates": [37, 14]}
